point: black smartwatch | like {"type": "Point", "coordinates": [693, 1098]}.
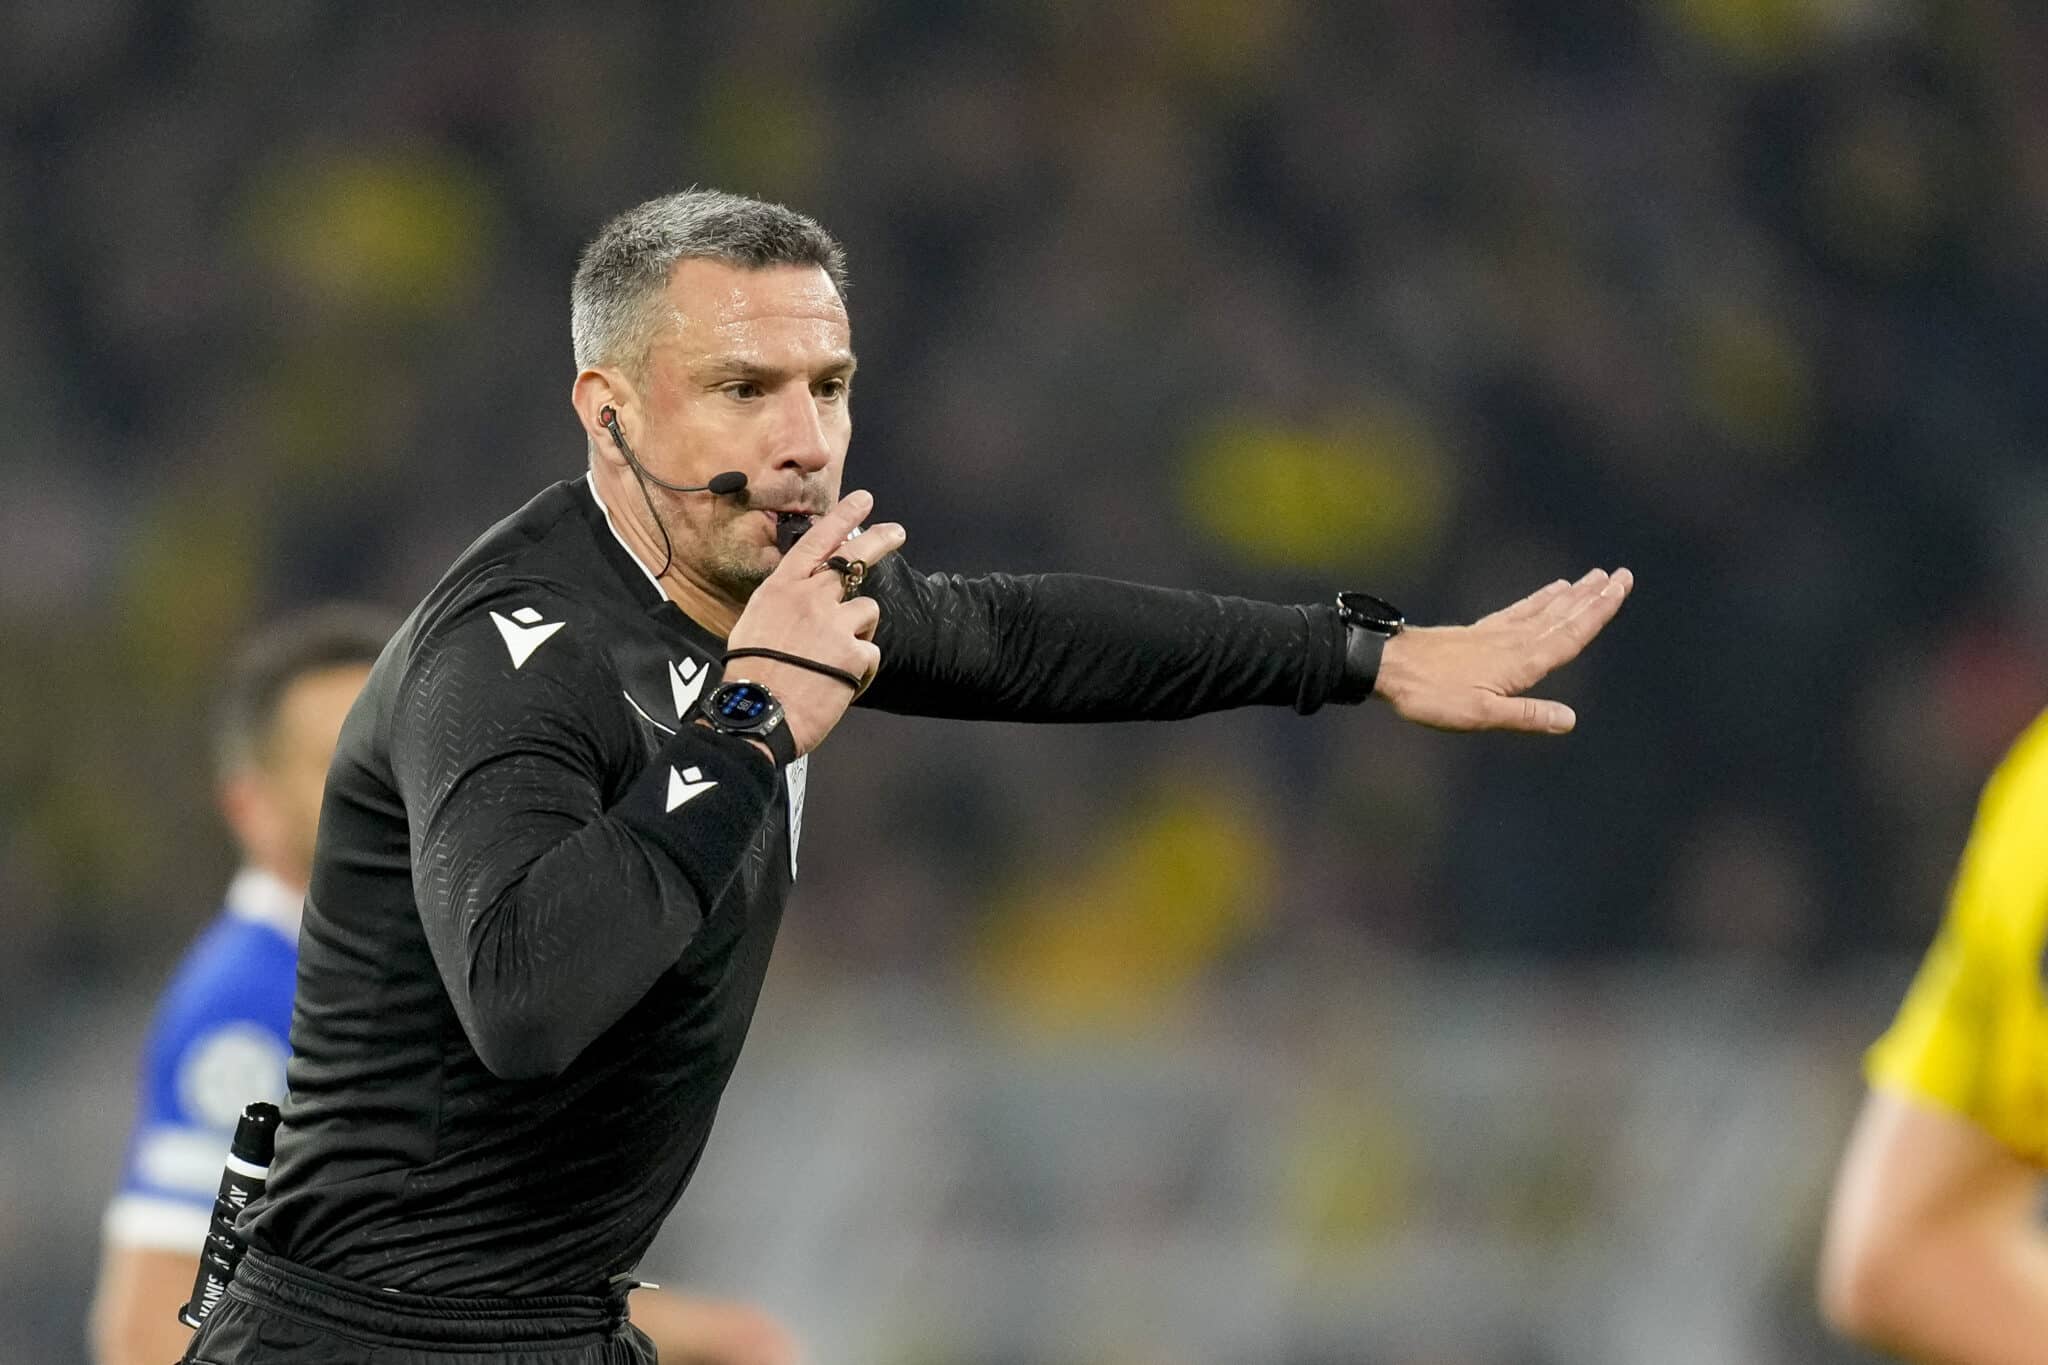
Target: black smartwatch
{"type": "Point", "coordinates": [1369, 622]}
{"type": "Point", "coordinates": [749, 710]}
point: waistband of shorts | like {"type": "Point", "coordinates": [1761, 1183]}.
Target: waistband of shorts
{"type": "Point", "coordinates": [427, 1319]}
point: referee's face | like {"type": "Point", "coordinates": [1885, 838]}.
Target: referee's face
{"type": "Point", "coordinates": [755, 375]}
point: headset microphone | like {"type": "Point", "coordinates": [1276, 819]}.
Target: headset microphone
{"type": "Point", "coordinates": [729, 484]}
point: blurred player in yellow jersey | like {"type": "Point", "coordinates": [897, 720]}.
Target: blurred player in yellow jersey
{"type": "Point", "coordinates": [1936, 1248]}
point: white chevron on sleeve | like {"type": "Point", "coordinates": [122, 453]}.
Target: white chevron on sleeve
{"type": "Point", "coordinates": [522, 633]}
{"type": "Point", "coordinates": [687, 786]}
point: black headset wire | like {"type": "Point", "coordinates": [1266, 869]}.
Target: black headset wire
{"type": "Point", "coordinates": [668, 547]}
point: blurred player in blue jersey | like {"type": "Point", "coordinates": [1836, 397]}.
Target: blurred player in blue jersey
{"type": "Point", "coordinates": [221, 1032]}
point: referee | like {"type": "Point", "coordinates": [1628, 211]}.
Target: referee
{"type": "Point", "coordinates": [565, 814]}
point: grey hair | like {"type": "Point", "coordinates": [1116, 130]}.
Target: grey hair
{"type": "Point", "coordinates": [615, 308]}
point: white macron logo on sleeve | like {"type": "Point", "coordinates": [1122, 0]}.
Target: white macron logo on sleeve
{"type": "Point", "coordinates": [687, 786]}
{"type": "Point", "coordinates": [524, 632]}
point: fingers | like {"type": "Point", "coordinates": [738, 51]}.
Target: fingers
{"type": "Point", "coordinates": [875, 544]}
{"type": "Point", "coordinates": [1569, 602]}
{"type": "Point", "coordinates": [828, 533]}
{"type": "Point", "coordinates": [1529, 715]}
{"type": "Point", "coordinates": [861, 616]}
{"type": "Point", "coordinates": [1586, 617]}
{"type": "Point", "coordinates": [838, 532]}
{"type": "Point", "coordinates": [1526, 607]}
{"type": "Point", "coordinates": [1552, 601]}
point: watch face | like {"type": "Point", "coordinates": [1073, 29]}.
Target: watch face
{"type": "Point", "coordinates": [1374, 613]}
{"type": "Point", "coordinates": [741, 703]}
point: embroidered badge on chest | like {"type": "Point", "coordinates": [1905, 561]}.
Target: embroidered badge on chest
{"type": "Point", "coordinates": [797, 775]}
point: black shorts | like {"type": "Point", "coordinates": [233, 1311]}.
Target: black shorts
{"type": "Point", "coordinates": [277, 1311]}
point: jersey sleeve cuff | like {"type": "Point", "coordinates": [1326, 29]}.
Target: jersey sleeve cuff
{"type": "Point", "coordinates": [1323, 675]}
{"type": "Point", "coordinates": [702, 801]}
{"type": "Point", "coordinates": [1929, 1078]}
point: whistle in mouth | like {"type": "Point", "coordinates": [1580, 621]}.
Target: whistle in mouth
{"type": "Point", "coordinates": [789, 529]}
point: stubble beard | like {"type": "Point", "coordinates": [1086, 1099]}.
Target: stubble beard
{"type": "Point", "coordinates": [735, 569]}
{"type": "Point", "coordinates": [715, 554]}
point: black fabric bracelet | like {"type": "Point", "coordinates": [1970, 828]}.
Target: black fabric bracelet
{"type": "Point", "coordinates": [754, 652]}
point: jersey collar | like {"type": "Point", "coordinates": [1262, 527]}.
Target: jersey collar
{"type": "Point", "coordinates": [618, 545]}
{"type": "Point", "coordinates": [638, 580]}
{"type": "Point", "coordinates": [264, 898]}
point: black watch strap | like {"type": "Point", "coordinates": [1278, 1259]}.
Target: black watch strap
{"type": "Point", "coordinates": [1369, 622]}
{"type": "Point", "coordinates": [1362, 650]}
{"type": "Point", "coordinates": [781, 743]}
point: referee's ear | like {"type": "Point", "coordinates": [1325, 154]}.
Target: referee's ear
{"type": "Point", "coordinates": [595, 390]}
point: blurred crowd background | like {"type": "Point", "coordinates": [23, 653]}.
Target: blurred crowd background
{"type": "Point", "coordinates": [1252, 1039]}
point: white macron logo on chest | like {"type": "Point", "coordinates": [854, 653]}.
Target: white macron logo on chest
{"type": "Point", "coordinates": [687, 786]}
{"type": "Point", "coordinates": [686, 682]}
{"type": "Point", "coordinates": [524, 632]}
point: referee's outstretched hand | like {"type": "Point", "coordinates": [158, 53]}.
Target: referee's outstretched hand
{"type": "Point", "coordinates": [1471, 677]}
{"type": "Point", "coordinates": [797, 610]}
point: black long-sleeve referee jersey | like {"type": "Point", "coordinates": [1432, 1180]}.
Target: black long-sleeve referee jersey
{"type": "Point", "coordinates": [543, 902]}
